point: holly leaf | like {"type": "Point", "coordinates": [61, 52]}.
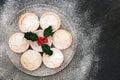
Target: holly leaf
{"type": "Point", "coordinates": [48, 32]}
{"type": "Point", "coordinates": [31, 36]}
{"type": "Point", "coordinates": [46, 49]}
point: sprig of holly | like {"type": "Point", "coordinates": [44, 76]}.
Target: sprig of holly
{"type": "Point", "coordinates": [31, 36]}
{"type": "Point", "coordinates": [34, 37]}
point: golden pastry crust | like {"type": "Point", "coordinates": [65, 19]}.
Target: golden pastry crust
{"type": "Point", "coordinates": [28, 22]}
{"type": "Point", "coordinates": [50, 19]}
{"type": "Point", "coordinates": [34, 44]}
{"type": "Point", "coordinates": [62, 39]}
{"type": "Point", "coordinates": [55, 60]}
{"type": "Point", "coordinates": [18, 43]}
{"type": "Point", "coordinates": [31, 60]}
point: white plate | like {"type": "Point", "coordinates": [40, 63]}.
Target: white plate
{"type": "Point", "coordinates": [67, 24]}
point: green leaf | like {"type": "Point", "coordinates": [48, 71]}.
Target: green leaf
{"type": "Point", "coordinates": [46, 49]}
{"type": "Point", "coordinates": [48, 32]}
{"type": "Point", "coordinates": [31, 36]}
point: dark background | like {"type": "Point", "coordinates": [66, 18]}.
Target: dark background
{"type": "Point", "coordinates": [106, 13]}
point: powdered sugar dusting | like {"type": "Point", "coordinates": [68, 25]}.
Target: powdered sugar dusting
{"type": "Point", "coordinates": [87, 36]}
{"type": "Point", "coordinates": [7, 11]}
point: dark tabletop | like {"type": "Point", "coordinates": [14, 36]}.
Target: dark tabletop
{"type": "Point", "coordinates": [102, 14]}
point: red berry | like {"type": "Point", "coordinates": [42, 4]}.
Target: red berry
{"type": "Point", "coordinates": [45, 40]}
{"type": "Point", "coordinates": [42, 40]}
{"type": "Point", "coordinates": [39, 43]}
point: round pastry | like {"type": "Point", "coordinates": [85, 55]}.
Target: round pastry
{"type": "Point", "coordinates": [28, 22]}
{"type": "Point", "coordinates": [50, 19]}
{"type": "Point", "coordinates": [62, 39]}
{"type": "Point", "coordinates": [31, 60]}
{"type": "Point", "coordinates": [55, 60]}
{"type": "Point", "coordinates": [34, 44]}
{"type": "Point", "coordinates": [18, 43]}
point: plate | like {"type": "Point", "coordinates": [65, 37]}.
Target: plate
{"type": "Point", "coordinates": [66, 24]}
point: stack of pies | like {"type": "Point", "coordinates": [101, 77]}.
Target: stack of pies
{"type": "Point", "coordinates": [32, 54]}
